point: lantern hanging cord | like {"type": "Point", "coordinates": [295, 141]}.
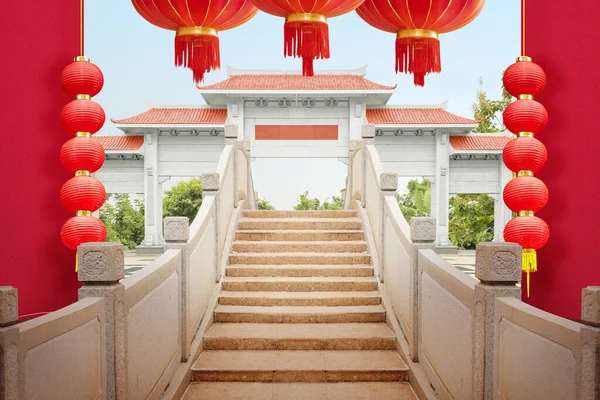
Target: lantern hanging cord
{"type": "Point", "coordinates": [522, 27]}
{"type": "Point", "coordinates": [81, 27]}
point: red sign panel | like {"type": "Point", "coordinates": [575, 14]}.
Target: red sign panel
{"type": "Point", "coordinates": [296, 132]}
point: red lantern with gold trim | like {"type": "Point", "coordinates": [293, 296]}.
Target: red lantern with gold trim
{"type": "Point", "coordinates": [525, 193]}
{"type": "Point", "coordinates": [82, 153]}
{"type": "Point", "coordinates": [82, 115]}
{"type": "Point", "coordinates": [306, 32]}
{"type": "Point", "coordinates": [524, 77]}
{"type": "Point", "coordinates": [417, 24]}
{"type": "Point", "coordinates": [525, 153]}
{"type": "Point", "coordinates": [197, 24]}
{"type": "Point", "coordinates": [82, 77]}
{"type": "Point", "coordinates": [82, 228]}
{"type": "Point", "coordinates": [83, 193]}
{"type": "Point", "coordinates": [525, 115]}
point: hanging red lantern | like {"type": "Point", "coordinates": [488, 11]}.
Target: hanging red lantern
{"type": "Point", "coordinates": [525, 193]}
{"type": "Point", "coordinates": [525, 153]}
{"type": "Point", "coordinates": [525, 115]}
{"type": "Point", "coordinates": [197, 24]}
{"type": "Point", "coordinates": [82, 228]}
{"type": "Point", "coordinates": [531, 233]}
{"type": "Point", "coordinates": [306, 32]}
{"type": "Point", "coordinates": [83, 193]}
{"type": "Point", "coordinates": [82, 77]}
{"type": "Point", "coordinates": [524, 77]}
{"type": "Point", "coordinates": [82, 153]}
{"type": "Point", "coordinates": [417, 25]}
{"type": "Point", "coordinates": [82, 115]}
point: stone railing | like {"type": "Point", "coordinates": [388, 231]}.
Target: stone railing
{"type": "Point", "coordinates": [467, 339]}
{"type": "Point", "coordinates": [131, 338]}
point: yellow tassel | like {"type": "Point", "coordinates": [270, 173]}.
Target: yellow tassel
{"type": "Point", "coordinates": [76, 262]}
{"type": "Point", "coordinates": [529, 264]}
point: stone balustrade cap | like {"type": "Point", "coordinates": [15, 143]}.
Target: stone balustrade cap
{"type": "Point", "coordinates": [498, 262]}
{"type": "Point", "coordinates": [368, 131]}
{"type": "Point", "coordinates": [422, 229]}
{"type": "Point", "coordinates": [231, 131]}
{"type": "Point", "coordinates": [9, 305]}
{"type": "Point", "coordinates": [590, 305]}
{"type": "Point", "coordinates": [101, 262]}
{"type": "Point", "coordinates": [211, 181]}
{"type": "Point", "coordinates": [176, 229]}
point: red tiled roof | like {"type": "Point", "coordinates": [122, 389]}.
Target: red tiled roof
{"type": "Point", "coordinates": [415, 116]}
{"type": "Point", "coordinates": [479, 142]}
{"type": "Point", "coordinates": [120, 142]}
{"type": "Point", "coordinates": [177, 116]}
{"type": "Point", "coordinates": [274, 82]}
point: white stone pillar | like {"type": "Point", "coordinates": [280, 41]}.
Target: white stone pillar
{"type": "Point", "coordinates": [440, 190]}
{"type": "Point", "coordinates": [501, 213]}
{"type": "Point", "coordinates": [235, 114]}
{"type": "Point", "coordinates": [357, 117]}
{"type": "Point", "coordinates": [152, 195]}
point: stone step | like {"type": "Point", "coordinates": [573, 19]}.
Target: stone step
{"type": "Point", "coordinates": [365, 336]}
{"type": "Point", "coordinates": [299, 298]}
{"type": "Point", "coordinates": [299, 315]}
{"type": "Point", "coordinates": [299, 270]}
{"type": "Point", "coordinates": [300, 235]}
{"type": "Point", "coordinates": [299, 214]}
{"type": "Point", "coordinates": [298, 391]}
{"type": "Point", "coordinates": [299, 223]}
{"type": "Point", "coordinates": [299, 258]}
{"type": "Point", "coordinates": [355, 246]}
{"type": "Point", "coordinates": [299, 366]}
{"type": "Point", "coordinates": [294, 284]}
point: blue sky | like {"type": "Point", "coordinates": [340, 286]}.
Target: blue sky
{"type": "Point", "coordinates": [137, 61]}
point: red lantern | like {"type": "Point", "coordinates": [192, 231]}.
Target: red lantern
{"type": "Point", "coordinates": [82, 153]}
{"type": "Point", "coordinates": [82, 229]}
{"type": "Point", "coordinates": [197, 24]}
{"type": "Point", "coordinates": [529, 231]}
{"type": "Point", "coordinates": [524, 77]}
{"type": "Point", "coordinates": [525, 115]}
{"type": "Point", "coordinates": [306, 33]}
{"type": "Point", "coordinates": [83, 193]}
{"type": "Point", "coordinates": [525, 154]}
{"type": "Point", "coordinates": [82, 116]}
{"type": "Point", "coordinates": [525, 193]}
{"type": "Point", "coordinates": [82, 77]}
{"type": "Point", "coordinates": [417, 24]}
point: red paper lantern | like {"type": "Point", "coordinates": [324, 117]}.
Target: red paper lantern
{"type": "Point", "coordinates": [197, 24]}
{"type": "Point", "coordinates": [525, 154]}
{"type": "Point", "coordinates": [82, 77]}
{"type": "Point", "coordinates": [524, 77]}
{"type": "Point", "coordinates": [306, 33]}
{"type": "Point", "coordinates": [82, 116]}
{"type": "Point", "coordinates": [529, 231]}
{"type": "Point", "coordinates": [525, 115]}
{"type": "Point", "coordinates": [83, 193]}
{"type": "Point", "coordinates": [417, 24]}
{"type": "Point", "coordinates": [525, 193]}
{"type": "Point", "coordinates": [82, 229]}
{"type": "Point", "coordinates": [82, 153]}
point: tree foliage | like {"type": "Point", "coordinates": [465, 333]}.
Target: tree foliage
{"type": "Point", "coordinates": [417, 201]}
{"type": "Point", "coordinates": [489, 112]}
{"type": "Point", "coordinates": [124, 221]}
{"type": "Point", "coordinates": [308, 203]}
{"type": "Point", "coordinates": [471, 220]}
{"type": "Point", "coordinates": [262, 204]}
{"type": "Point", "coordinates": [183, 199]}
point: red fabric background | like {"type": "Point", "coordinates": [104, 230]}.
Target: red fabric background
{"type": "Point", "coordinates": [37, 40]}
{"type": "Point", "coordinates": [562, 37]}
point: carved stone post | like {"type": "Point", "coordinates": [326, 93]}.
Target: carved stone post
{"type": "Point", "coordinates": [9, 343]}
{"type": "Point", "coordinates": [176, 234]}
{"type": "Point", "coordinates": [101, 267]}
{"type": "Point", "coordinates": [211, 183]}
{"type": "Point", "coordinates": [389, 185]}
{"type": "Point", "coordinates": [590, 343]}
{"type": "Point", "coordinates": [422, 234]}
{"type": "Point", "coordinates": [498, 267]}
{"type": "Point", "coordinates": [368, 136]}
{"type": "Point", "coordinates": [231, 138]}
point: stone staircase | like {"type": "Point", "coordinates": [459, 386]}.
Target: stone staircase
{"type": "Point", "coordinates": [299, 315]}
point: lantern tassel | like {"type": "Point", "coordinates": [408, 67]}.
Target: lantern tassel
{"type": "Point", "coordinates": [418, 56]}
{"type": "Point", "coordinates": [76, 262]}
{"type": "Point", "coordinates": [529, 264]}
{"type": "Point", "coordinates": [306, 39]}
{"type": "Point", "coordinates": [198, 52]}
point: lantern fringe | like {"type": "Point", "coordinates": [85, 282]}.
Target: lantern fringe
{"type": "Point", "coordinates": [306, 39]}
{"type": "Point", "coordinates": [76, 261]}
{"type": "Point", "coordinates": [418, 56]}
{"type": "Point", "coordinates": [529, 264]}
{"type": "Point", "coordinates": [200, 53]}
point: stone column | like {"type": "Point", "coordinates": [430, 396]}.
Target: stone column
{"type": "Point", "coordinates": [9, 343]}
{"type": "Point", "coordinates": [440, 189]}
{"type": "Point", "coordinates": [501, 213]}
{"type": "Point", "coordinates": [368, 136]}
{"type": "Point", "coordinates": [389, 186]}
{"type": "Point", "coordinates": [590, 343]}
{"type": "Point", "coordinates": [101, 267]}
{"type": "Point", "coordinates": [177, 234]}
{"type": "Point", "coordinates": [231, 138]}
{"type": "Point", "coordinates": [422, 235]}
{"type": "Point", "coordinates": [211, 183]}
{"type": "Point", "coordinates": [152, 197]}
{"type": "Point", "coordinates": [498, 267]}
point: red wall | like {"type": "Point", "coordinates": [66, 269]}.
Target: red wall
{"type": "Point", "coordinates": [563, 39]}
{"type": "Point", "coordinates": [37, 40]}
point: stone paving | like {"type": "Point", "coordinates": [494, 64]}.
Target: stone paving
{"type": "Point", "coordinates": [134, 262]}
{"type": "Point", "coordinates": [464, 261]}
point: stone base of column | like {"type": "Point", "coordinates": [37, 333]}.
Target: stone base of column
{"type": "Point", "coordinates": [143, 249]}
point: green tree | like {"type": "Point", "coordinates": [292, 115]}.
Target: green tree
{"type": "Point", "coordinates": [417, 201]}
{"type": "Point", "coordinates": [489, 112]}
{"type": "Point", "coordinates": [308, 203]}
{"type": "Point", "coordinates": [124, 221]}
{"type": "Point", "coordinates": [471, 220]}
{"type": "Point", "coordinates": [264, 205]}
{"type": "Point", "coordinates": [183, 199]}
